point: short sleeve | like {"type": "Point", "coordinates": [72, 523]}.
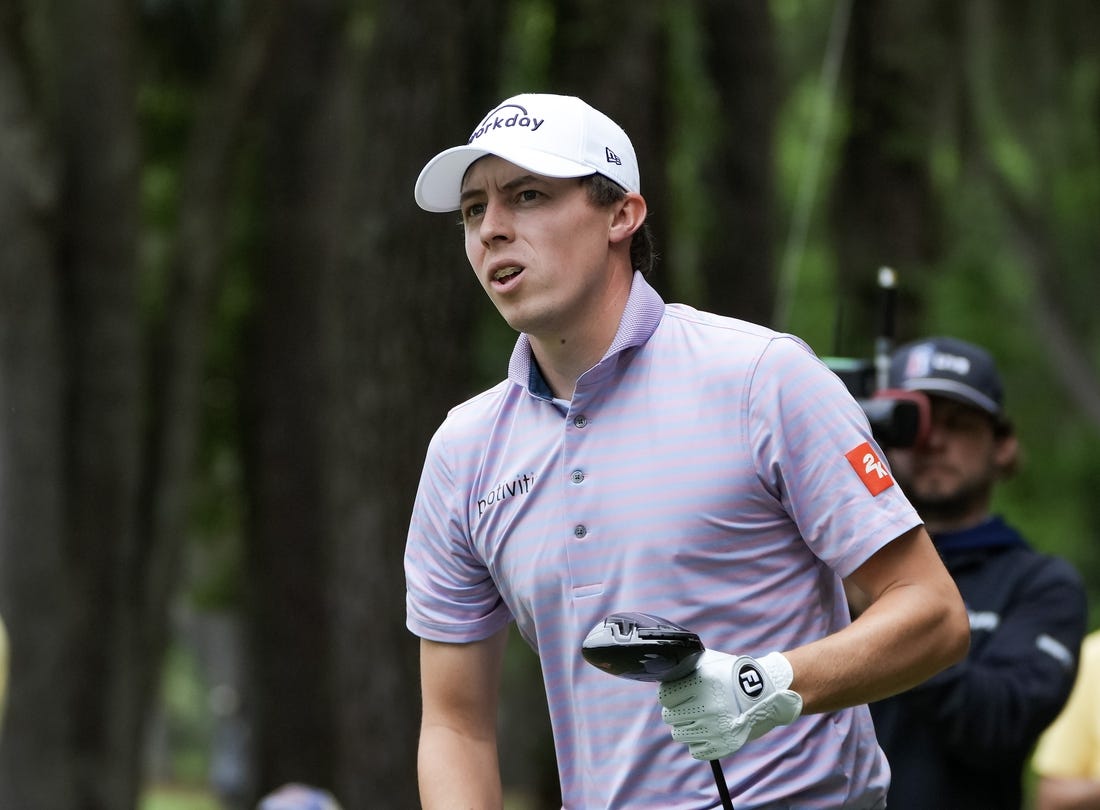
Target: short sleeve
{"type": "Point", "coordinates": [450, 595]}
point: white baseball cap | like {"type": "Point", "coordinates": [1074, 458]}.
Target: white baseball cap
{"type": "Point", "coordinates": [555, 136]}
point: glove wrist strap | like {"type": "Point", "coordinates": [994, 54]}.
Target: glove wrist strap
{"type": "Point", "coordinates": [778, 669]}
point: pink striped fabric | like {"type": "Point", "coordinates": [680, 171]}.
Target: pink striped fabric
{"type": "Point", "coordinates": [699, 474]}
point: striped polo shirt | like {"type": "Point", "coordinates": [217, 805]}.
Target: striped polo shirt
{"type": "Point", "coordinates": [707, 470]}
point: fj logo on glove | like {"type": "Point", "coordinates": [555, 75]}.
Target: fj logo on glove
{"type": "Point", "coordinates": [752, 684]}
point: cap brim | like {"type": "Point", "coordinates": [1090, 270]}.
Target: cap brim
{"type": "Point", "coordinates": [953, 390]}
{"type": "Point", "coordinates": [439, 186]}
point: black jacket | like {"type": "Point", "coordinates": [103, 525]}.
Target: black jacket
{"type": "Point", "coordinates": [960, 740]}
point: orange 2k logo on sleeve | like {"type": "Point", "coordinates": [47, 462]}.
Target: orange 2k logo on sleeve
{"type": "Point", "coordinates": [869, 468]}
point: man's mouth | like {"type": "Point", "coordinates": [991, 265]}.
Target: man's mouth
{"type": "Point", "coordinates": [505, 273]}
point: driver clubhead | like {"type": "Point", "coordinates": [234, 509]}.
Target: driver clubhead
{"type": "Point", "coordinates": [642, 647]}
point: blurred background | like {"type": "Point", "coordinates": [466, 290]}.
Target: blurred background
{"type": "Point", "coordinates": [227, 332]}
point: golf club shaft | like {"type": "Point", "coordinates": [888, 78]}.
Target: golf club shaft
{"type": "Point", "coordinates": [720, 780]}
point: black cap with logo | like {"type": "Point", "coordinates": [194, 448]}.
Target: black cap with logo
{"type": "Point", "coordinates": [951, 368]}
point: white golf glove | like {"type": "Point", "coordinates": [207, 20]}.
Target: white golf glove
{"type": "Point", "coordinates": [728, 701]}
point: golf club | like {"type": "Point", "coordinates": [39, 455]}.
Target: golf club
{"type": "Point", "coordinates": [643, 647]}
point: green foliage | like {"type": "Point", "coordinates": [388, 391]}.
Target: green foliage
{"type": "Point", "coordinates": [188, 724]}
{"type": "Point", "coordinates": [809, 131]}
{"type": "Point", "coordinates": [1017, 179]}
{"type": "Point", "coordinates": [1045, 157]}
{"type": "Point", "coordinates": [172, 798]}
{"type": "Point", "coordinates": [693, 99]}
{"type": "Point", "coordinates": [527, 47]}
{"type": "Point", "coordinates": [1043, 148]}
{"type": "Point", "coordinates": [218, 506]}
{"type": "Point", "coordinates": [493, 347]}
{"type": "Point", "coordinates": [179, 798]}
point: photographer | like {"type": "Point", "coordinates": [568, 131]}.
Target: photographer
{"type": "Point", "coordinates": [962, 739]}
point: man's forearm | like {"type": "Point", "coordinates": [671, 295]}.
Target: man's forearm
{"type": "Point", "coordinates": [1067, 793]}
{"type": "Point", "coordinates": [457, 772]}
{"type": "Point", "coordinates": [915, 626]}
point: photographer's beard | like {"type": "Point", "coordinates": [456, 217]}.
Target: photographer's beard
{"type": "Point", "coordinates": [946, 500]}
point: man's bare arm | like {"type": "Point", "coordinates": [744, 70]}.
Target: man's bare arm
{"type": "Point", "coordinates": [914, 626]}
{"type": "Point", "coordinates": [1067, 793]}
{"type": "Point", "coordinates": [457, 759]}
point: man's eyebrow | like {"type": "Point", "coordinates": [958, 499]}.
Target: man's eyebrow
{"type": "Point", "coordinates": [472, 192]}
{"type": "Point", "coordinates": [522, 180]}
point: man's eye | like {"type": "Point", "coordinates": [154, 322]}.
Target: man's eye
{"type": "Point", "coordinates": [528, 195]}
{"type": "Point", "coordinates": [475, 210]}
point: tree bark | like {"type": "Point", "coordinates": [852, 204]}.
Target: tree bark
{"type": "Point", "coordinates": [736, 254]}
{"type": "Point", "coordinates": [402, 330]}
{"type": "Point", "coordinates": [96, 133]}
{"type": "Point", "coordinates": [617, 62]}
{"type": "Point", "coordinates": [363, 341]}
{"type": "Point", "coordinates": [35, 769]}
{"type": "Point", "coordinates": [286, 388]}
{"type": "Point", "coordinates": [882, 206]}
{"type": "Point", "coordinates": [96, 458]}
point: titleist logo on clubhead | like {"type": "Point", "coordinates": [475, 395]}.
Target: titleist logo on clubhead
{"type": "Point", "coordinates": [507, 116]}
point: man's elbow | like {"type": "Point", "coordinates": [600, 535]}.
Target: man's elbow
{"type": "Point", "coordinates": [954, 631]}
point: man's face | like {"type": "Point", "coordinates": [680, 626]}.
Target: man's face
{"type": "Point", "coordinates": [539, 247]}
{"type": "Point", "coordinates": [951, 475]}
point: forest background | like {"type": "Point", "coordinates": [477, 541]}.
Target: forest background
{"type": "Point", "coordinates": [227, 333]}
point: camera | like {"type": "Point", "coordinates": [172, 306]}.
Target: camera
{"type": "Point", "coordinates": [897, 418]}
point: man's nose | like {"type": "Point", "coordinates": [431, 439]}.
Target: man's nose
{"type": "Point", "coordinates": [937, 433]}
{"type": "Point", "coordinates": [496, 223]}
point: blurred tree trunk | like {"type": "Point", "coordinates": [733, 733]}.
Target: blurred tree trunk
{"type": "Point", "coordinates": [736, 253]}
{"type": "Point", "coordinates": [37, 773]}
{"type": "Point", "coordinates": [882, 208]}
{"type": "Point", "coordinates": [99, 215]}
{"type": "Point", "coordinates": [96, 456]}
{"type": "Point", "coordinates": [285, 394]}
{"type": "Point", "coordinates": [76, 663]}
{"type": "Point", "coordinates": [617, 62]}
{"type": "Point", "coordinates": [402, 332]}
{"type": "Point", "coordinates": [628, 76]}
{"type": "Point", "coordinates": [362, 342]}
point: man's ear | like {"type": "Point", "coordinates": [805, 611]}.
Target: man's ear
{"type": "Point", "coordinates": [630, 213]}
{"type": "Point", "coordinates": [1006, 455]}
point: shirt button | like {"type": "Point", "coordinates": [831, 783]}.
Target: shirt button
{"type": "Point", "coordinates": [580, 421]}
{"type": "Point", "coordinates": [579, 531]}
{"type": "Point", "coordinates": [577, 476]}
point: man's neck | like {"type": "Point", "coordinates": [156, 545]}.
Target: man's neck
{"type": "Point", "coordinates": [562, 363]}
{"type": "Point", "coordinates": [564, 357]}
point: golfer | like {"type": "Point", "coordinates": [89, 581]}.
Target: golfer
{"type": "Point", "coordinates": [644, 456]}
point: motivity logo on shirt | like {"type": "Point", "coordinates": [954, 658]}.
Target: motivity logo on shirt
{"type": "Point", "coordinates": [870, 468]}
{"type": "Point", "coordinates": [521, 485]}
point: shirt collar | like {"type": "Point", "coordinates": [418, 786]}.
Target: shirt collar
{"type": "Point", "coordinates": [644, 309]}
